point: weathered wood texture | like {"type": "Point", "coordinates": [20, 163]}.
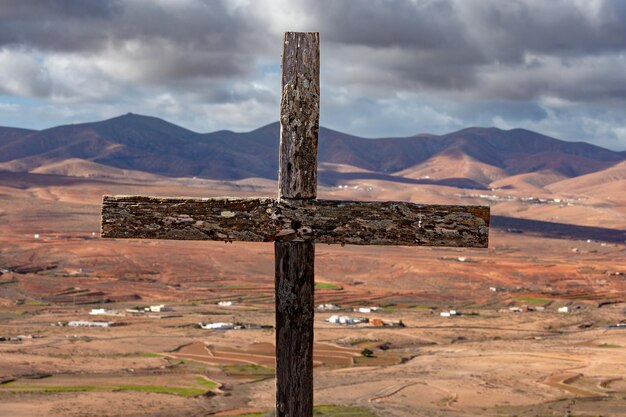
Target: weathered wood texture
{"type": "Point", "coordinates": [294, 328]}
{"type": "Point", "coordinates": [321, 221]}
{"type": "Point", "coordinates": [299, 115]}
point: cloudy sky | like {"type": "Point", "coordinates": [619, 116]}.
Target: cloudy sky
{"type": "Point", "coordinates": [389, 67]}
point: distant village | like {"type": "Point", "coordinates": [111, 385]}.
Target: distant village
{"type": "Point", "coordinates": [363, 316]}
{"type": "Point", "coordinates": [562, 202]}
{"type": "Point", "coordinates": [372, 316]}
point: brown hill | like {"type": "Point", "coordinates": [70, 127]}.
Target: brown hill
{"type": "Point", "coordinates": [454, 163]}
{"type": "Point", "coordinates": [609, 183]}
{"type": "Point", "coordinates": [473, 157]}
{"type": "Point", "coordinates": [531, 181]}
{"type": "Point", "coordinates": [75, 167]}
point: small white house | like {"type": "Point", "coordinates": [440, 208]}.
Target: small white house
{"type": "Point", "coordinates": [225, 303]}
{"type": "Point", "coordinates": [219, 325]}
{"type": "Point", "coordinates": [448, 313]}
{"type": "Point", "coordinates": [366, 309]}
{"type": "Point", "coordinates": [104, 312]}
{"type": "Point", "coordinates": [564, 309]}
{"type": "Point", "coordinates": [327, 307]}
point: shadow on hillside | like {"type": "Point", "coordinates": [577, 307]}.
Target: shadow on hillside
{"type": "Point", "coordinates": [334, 178]}
{"type": "Point", "coordinates": [26, 180]}
{"type": "Point", "coordinates": [558, 230]}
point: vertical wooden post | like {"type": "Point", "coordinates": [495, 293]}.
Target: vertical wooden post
{"type": "Point", "coordinates": [297, 179]}
{"type": "Point", "coordinates": [299, 115]}
{"type": "Point", "coordinates": [294, 328]}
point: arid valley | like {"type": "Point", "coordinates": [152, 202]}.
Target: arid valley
{"type": "Point", "coordinates": [269, 208]}
{"type": "Point", "coordinates": [508, 350]}
{"type": "Point", "coordinates": [533, 325]}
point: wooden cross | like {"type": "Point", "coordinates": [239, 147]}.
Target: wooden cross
{"type": "Point", "coordinates": [295, 221]}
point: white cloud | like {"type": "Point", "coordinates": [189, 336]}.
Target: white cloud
{"type": "Point", "coordinates": [22, 75]}
{"type": "Point", "coordinates": [9, 108]}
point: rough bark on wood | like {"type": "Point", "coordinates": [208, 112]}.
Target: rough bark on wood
{"type": "Point", "coordinates": [299, 115]}
{"type": "Point", "coordinates": [294, 288]}
{"type": "Point", "coordinates": [321, 221]}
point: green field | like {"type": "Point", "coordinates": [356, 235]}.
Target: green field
{"type": "Point", "coordinates": [326, 286]}
{"type": "Point", "coordinates": [331, 410]}
{"type": "Point", "coordinates": [256, 372]}
{"type": "Point", "coordinates": [536, 302]}
{"type": "Point", "coordinates": [198, 386]}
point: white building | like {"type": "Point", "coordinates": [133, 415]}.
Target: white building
{"type": "Point", "coordinates": [345, 319]}
{"type": "Point", "coordinates": [83, 323]}
{"type": "Point", "coordinates": [159, 308]}
{"type": "Point", "coordinates": [223, 326]}
{"type": "Point", "coordinates": [327, 307]}
{"type": "Point", "coordinates": [104, 312]}
{"type": "Point", "coordinates": [225, 303]}
{"type": "Point", "coordinates": [366, 309]}
{"type": "Point", "coordinates": [564, 309]}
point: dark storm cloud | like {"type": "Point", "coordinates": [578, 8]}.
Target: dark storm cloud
{"type": "Point", "coordinates": [384, 24]}
{"type": "Point", "coordinates": [78, 25]}
{"type": "Point", "coordinates": [490, 28]}
{"type": "Point", "coordinates": [163, 40]}
{"type": "Point", "coordinates": [446, 45]}
{"type": "Point", "coordinates": [559, 27]}
{"type": "Point", "coordinates": [480, 31]}
{"type": "Point", "coordinates": [64, 25]}
{"type": "Point", "coordinates": [460, 45]}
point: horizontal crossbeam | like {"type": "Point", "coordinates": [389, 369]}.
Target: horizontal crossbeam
{"type": "Point", "coordinates": [320, 221]}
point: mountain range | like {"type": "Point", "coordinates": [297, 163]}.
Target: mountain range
{"type": "Point", "coordinates": [477, 158]}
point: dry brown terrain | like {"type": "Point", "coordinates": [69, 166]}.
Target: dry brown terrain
{"type": "Point", "coordinates": [487, 362]}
